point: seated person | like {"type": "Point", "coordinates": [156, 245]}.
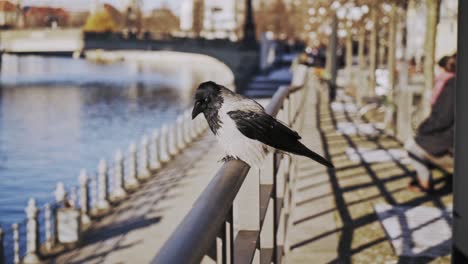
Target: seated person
{"type": "Point", "coordinates": [433, 142]}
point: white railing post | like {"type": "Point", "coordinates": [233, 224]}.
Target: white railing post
{"type": "Point", "coordinates": [267, 178]}
{"type": "Point", "coordinates": [193, 128]}
{"type": "Point", "coordinates": [173, 140]}
{"type": "Point", "coordinates": [200, 126]}
{"type": "Point", "coordinates": [32, 231]}
{"type": "Point", "coordinates": [119, 192]}
{"type": "Point", "coordinates": [72, 197]}
{"type": "Point", "coordinates": [16, 254]}
{"type": "Point", "coordinates": [60, 193]}
{"type": "Point", "coordinates": [187, 134]}
{"type": "Point", "coordinates": [94, 194]}
{"type": "Point", "coordinates": [84, 197]}
{"type": "Point", "coordinates": [145, 173]}
{"type": "Point", "coordinates": [247, 207]}
{"type": "Point", "coordinates": [48, 227]}
{"type": "Point", "coordinates": [280, 182]}
{"type": "Point", "coordinates": [163, 145]}
{"type": "Point", "coordinates": [132, 182]}
{"type": "Point", "coordinates": [180, 133]}
{"type": "Point", "coordinates": [103, 191]}
{"type": "Point", "coordinates": [156, 162]}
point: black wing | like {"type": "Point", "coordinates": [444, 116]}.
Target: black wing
{"type": "Point", "coordinates": [268, 130]}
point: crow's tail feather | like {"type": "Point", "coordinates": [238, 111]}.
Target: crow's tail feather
{"type": "Point", "coordinates": [302, 150]}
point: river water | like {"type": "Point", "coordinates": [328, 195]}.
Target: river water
{"type": "Point", "coordinates": [58, 115]}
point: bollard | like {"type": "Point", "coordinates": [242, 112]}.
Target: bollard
{"type": "Point", "coordinates": [2, 247]}
{"type": "Point", "coordinates": [187, 121]}
{"type": "Point", "coordinates": [180, 133]}
{"type": "Point", "coordinates": [172, 140]}
{"type": "Point", "coordinates": [119, 191]}
{"type": "Point", "coordinates": [145, 173]}
{"type": "Point", "coordinates": [156, 162]}
{"type": "Point", "coordinates": [48, 227]}
{"type": "Point", "coordinates": [72, 199]}
{"type": "Point", "coordinates": [60, 193]}
{"type": "Point", "coordinates": [84, 193]}
{"type": "Point", "coordinates": [94, 194]}
{"type": "Point", "coordinates": [193, 128]}
{"type": "Point", "coordinates": [32, 231]}
{"type": "Point", "coordinates": [16, 255]}
{"type": "Point", "coordinates": [198, 126]}
{"type": "Point", "coordinates": [103, 191]}
{"type": "Point", "coordinates": [163, 145]}
{"type": "Point", "coordinates": [132, 182]}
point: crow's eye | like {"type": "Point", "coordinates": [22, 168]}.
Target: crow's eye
{"type": "Point", "coordinates": [206, 100]}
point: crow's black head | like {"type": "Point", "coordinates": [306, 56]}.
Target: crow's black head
{"type": "Point", "coordinates": [207, 98]}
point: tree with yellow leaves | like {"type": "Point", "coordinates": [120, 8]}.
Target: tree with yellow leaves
{"type": "Point", "coordinates": [100, 21]}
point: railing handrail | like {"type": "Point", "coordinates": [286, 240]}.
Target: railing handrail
{"type": "Point", "coordinates": [195, 234]}
{"type": "Point", "coordinates": [191, 239]}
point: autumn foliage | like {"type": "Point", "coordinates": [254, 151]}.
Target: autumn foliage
{"type": "Point", "coordinates": [100, 21]}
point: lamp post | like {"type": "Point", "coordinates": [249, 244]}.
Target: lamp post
{"type": "Point", "coordinates": [460, 181]}
{"type": "Point", "coordinates": [249, 27]}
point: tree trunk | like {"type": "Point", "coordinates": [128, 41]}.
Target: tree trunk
{"type": "Point", "coordinates": [373, 52]}
{"type": "Point", "coordinates": [349, 55]}
{"type": "Point", "coordinates": [432, 7]}
{"type": "Point", "coordinates": [361, 46]}
{"type": "Point", "coordinates": [404, 95]}
{"type": "Point", "coordinates": [391, 59]}
{"type": "Point", "coordinates": [362, 76]}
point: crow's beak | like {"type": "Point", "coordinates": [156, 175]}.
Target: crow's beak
{"type": "Point", "coordinates": [196, 110]}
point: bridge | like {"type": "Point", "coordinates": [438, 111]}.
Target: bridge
{"type": "Point", "coordinates": [241, 59]}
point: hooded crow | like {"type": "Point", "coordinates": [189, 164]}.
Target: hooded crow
{"type": "Point", "coordinates": [243, 128]}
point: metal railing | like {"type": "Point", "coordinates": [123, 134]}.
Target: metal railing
{"type": "Point", "coordinates": [36, 237]}
{"type": "Point", "coordinates": [243, 214]}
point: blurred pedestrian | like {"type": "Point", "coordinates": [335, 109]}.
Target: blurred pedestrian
{"type": "Point", "coordinates": [433, 142]}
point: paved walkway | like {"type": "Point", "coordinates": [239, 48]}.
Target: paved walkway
{"type": "Point", "coordinates": [333, 219]}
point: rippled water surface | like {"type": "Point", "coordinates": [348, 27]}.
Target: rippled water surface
{"type": "Point", "coordinates": [58, 115]}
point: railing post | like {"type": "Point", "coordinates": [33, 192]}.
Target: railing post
{"type": "Point", "coordinates": [2, 247]}
{"type": "Point", "coordinates": [163, 145]}
{"type": "Point", "coordinates": [173, 140]}
{"type": "Point", "coordinates": [16, 254]}
{"type": "Point", "coordinates": [193, 130]}
{"type": "Point", "coordinates": [94, 194]}
{"type": "Point", "coordinates": [84, 197]}
{"type": "Point", "coordinates": [187, 134]}
{"type": "Point", "coordinates": [103, 191]}
{"type": "Point", "coordinates": [32, 231]}
{"type": "Point", "coordinates": [247, 207]}
{"type": "Point", "coordinates": [198, 126]}
{"type": "Point", "coordinates": [119, 189]}
{"type": "Point", "coordinates": [156, 161]}
{"type": "Point", "coordinates": [132, 182]}
{"type": "Point", "coordinates": [145, 174]}
{"type": "Point", "coordinates": [60, 193]}
{"type": "Point", "coordinates": [266, 178]}
{"type": "Point", "coordinates": [72, 197]}
{"type": "Point", "coordinates": [180, 133]}
{"type": "Point", "coordinates": [48, 227]}
{"type": "Point", "coordinates": [280, 182]}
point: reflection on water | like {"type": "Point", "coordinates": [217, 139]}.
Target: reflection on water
{"type": "Point", "coordinates": [48, 132]}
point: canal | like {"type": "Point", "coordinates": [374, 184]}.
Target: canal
{"type": "Point", "coordinates": [58, 115]}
